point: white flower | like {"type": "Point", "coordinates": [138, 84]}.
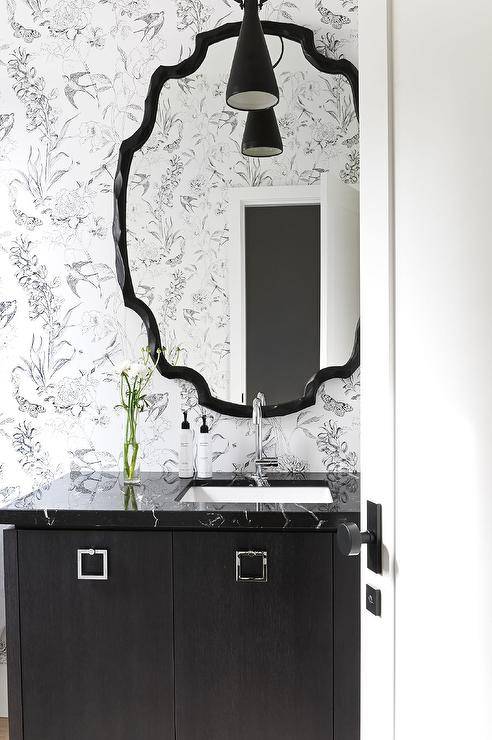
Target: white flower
{"type": "Point", "coordinates": [137, 370]}
{"type": "Point", "coordinates": [122, 367]}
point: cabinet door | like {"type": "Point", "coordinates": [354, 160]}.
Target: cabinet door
{"type": "Point", "coordinates": [96, 655]}
{"type": "Point", "coordinates": [254, 659]}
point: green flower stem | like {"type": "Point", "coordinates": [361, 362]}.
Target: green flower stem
{"type": "Point", "coordinates": [133, 401]}
{"type": "Point", "coordinates": [132, 407]}
{"type": "Point", "coordinates": [130, 456]}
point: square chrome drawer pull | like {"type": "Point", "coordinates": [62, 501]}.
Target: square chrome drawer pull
{"type": "Point", "coordinates": [81, 557]}
{"type": "Point", "coordinates": [252, 565]}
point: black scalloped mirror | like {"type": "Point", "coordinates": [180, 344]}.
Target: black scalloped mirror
{"type": "Point", "coordinates": [245, 271]}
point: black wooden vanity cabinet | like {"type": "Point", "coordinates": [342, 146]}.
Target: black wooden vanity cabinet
{"type": "Point", "coordinates": [193, 635]}
{"type": "Point", "coordinates": [90, 659]}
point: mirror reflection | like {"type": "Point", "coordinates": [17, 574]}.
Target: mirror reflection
{"type": "Point", "coordinates": [249, 265]}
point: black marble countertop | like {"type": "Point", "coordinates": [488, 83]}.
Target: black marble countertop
{"type": "Point", "coordinates": [101, 501]}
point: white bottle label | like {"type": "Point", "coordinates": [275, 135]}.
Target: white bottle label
{"type": "Point", "coordinates": [186, 455]}
{"type": "Point", "coordinates": [204, 462]}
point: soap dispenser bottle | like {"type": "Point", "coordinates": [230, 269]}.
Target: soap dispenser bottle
{"type": "Point", "coordinates": [186, 449]}
{"type": "Point", "coordinates": [204, 463]}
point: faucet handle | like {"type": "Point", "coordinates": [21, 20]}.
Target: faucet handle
{"type": "Point", "coordinates": [261, 398]}
{"type": "Point", "coordinates": [267, 462]}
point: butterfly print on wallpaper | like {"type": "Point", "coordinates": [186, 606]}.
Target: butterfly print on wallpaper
{"type": "Point", "coordinates": [335, 20]}
{"type": "Point", "coordinates": [340, 408]}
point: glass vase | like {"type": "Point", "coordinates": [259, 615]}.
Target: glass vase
{"type": "Point", "coordinates": [131, 462]}
{"type": "Point", "coordinates": [129, 497]}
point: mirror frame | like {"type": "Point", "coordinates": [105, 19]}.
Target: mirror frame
{"type": "Point", "coordinates": [303, 36]}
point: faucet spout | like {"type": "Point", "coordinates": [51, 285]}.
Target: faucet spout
{"type": "Point", "coordinates": [256, 411]}
{"type": "Point", "coordinates": [258, 402]}
{"type": "Point", "coordinates": [261, 461]}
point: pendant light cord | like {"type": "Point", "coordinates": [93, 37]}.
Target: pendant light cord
{"type": "Point", "coordinates": [261, 3]}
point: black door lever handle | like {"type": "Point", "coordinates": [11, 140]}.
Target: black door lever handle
{"type": "Point", "coordinates": [350, 539]}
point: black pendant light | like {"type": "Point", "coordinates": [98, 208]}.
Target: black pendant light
{"type": "Point", "coordinates": [261, 135]}
{"type": "Point", "coordinates": [252, 84]}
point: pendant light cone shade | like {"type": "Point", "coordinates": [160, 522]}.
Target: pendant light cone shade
{"type": "Point", "coordinates": [252, 84]}
{"type": "Point", "coordinates": [261, 136]}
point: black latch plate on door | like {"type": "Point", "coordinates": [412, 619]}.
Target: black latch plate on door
{"type": "Point", "coordinates": [375, 525]}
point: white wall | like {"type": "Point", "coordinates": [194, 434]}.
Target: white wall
{"type": "Point", "coordinates": [443, 163]}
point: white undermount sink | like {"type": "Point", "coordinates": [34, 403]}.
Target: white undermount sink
{"type": "Point", "coordinates": [258, 495]}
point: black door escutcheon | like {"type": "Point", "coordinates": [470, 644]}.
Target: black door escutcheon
{"type": "Point", "coordinates": [350, 539]}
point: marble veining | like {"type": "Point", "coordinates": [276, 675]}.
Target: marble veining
{"type": "Point", "coordinates": [101, 500]}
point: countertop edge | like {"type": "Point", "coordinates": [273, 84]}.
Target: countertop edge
{"type": "Point", "coordinates": [53, 519]}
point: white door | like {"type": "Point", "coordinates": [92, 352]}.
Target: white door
{"type": "Point", "coordinates": [426, 307]}
{"type": "Point", "coordinates": [377, 364]}
{"type": "Point", "coordinates": [239, 199]}
{"type": "Point", "coordinates": [339, 267]}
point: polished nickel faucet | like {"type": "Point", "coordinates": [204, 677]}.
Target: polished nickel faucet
{"type": "Point", "coordinates": [261, 461]}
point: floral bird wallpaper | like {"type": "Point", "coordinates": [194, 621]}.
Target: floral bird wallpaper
{"type": "Point", "coordinates": [74, 75]}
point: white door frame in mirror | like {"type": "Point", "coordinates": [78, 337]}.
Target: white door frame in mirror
{"type": "Point", "coordinates": [339, 245]}
{"type": "Point", "coordinates": [377, 360]}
